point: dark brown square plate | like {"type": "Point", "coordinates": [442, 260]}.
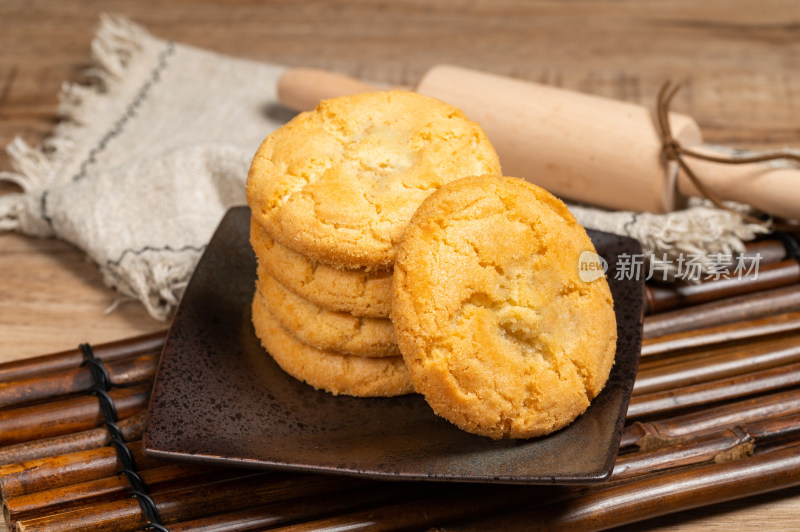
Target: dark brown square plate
{"type": "Point", "coordinates": [218, 398]}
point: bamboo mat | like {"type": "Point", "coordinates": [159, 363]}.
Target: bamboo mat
{"type": "Point", "coordinates": [715, 416]}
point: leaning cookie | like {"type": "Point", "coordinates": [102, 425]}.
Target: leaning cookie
{"type": "Point", "coordinates": [356, 291]}
{"type": "Point", "coordinates": [498, 331]}
{"type": "Point", "coordinates": [340, 183]}
{"type": "Point", "coordinates": [326, 330]}
{"type": "Point", "coordinates": [332, 372]}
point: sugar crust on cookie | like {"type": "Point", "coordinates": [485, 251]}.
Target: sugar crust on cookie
{"type": "Point", "coordinates": [339, 332]}
{"type": "Point", "coordinates": [338, 184]}
{"type": "Point", "coordinates": [356, 291]}
{"type": "Point", "coordinates": [332, 372]}
{"type": "Point", "coordinates": [498, 332]}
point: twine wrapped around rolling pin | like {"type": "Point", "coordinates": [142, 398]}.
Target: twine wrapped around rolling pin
{"type": "Point", "coordinates": [674, 152]}
{"type": "Point", "coordinates": [581, 147]}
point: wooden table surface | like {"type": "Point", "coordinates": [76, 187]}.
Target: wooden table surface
{"type": "Point", "coordinates": [740, 62]}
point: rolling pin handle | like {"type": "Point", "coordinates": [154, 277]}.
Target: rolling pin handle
{"type": "Point", "coordinates": [301, 89]}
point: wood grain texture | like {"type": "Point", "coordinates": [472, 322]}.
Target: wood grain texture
{"type": "Point", "coordinates": [739, 61]}
{"type": "Point", "coordinates": [52, 298]}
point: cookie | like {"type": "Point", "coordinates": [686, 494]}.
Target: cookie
{"type": "Point", "coordinates": [332, 372]}
{"type": "Point", "coordinates": [326, 330]}
{"type": "Point", "coordinates": [498, 331]}
{"type": "Point", "coordinates": [340, 183]}
{"type": "Point", "coordinates": [356, 291]}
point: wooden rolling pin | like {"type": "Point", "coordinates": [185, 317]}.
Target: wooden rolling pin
{"type": "Point", "coordinates": [586, 148]}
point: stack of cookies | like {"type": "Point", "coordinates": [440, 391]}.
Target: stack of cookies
{"type": "Point", "coordinates": [331, 195]}
{"type": "Point", "coordinates": [386, 267]}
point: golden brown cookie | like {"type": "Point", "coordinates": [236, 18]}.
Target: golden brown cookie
{"type": "Point", "coordinates": [498, 331]}
{"type": "Point", "coordinates": [332, 372]}
{"type": "Point", "coordinates": [326, 330]}
{"type": "Point", "coordinates": [356, 291]}
{"type": "Point", "coordinates": [339, 184]}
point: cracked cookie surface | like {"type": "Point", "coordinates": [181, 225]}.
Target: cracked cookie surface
{"type": "Point", "coordinates": [498, 331]}
{"type": "Point", "coordinates": [356, 291]}
{"type": "Point", "coordinates": [340, 183]}
{"type": "Point", "coordinates": [324, 370]}
{"type": "Point", "coordinates": [326, 330]}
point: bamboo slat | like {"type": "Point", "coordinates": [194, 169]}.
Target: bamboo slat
{"type": "Point", "coordinates": [744, 389]}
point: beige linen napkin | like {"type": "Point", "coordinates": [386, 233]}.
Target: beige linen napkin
{"type": "Point", "coordinates": [149, 157]}
{"type": "Point", "coordinates": [146, 160]}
